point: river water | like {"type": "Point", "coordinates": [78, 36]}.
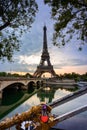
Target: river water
{"type": "Point", "coordinates": [78, 122]}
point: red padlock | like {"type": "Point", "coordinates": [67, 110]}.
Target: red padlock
{"type": "Point", "coordinates": [44, 118]}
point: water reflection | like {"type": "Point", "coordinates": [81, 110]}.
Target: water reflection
{"type": "Point", "coordinates": [59, 93]}
{"type": "Point", "coordinates": [46, 94]}
{"type": "Point", "coordinates": [11, 96]}
{"type": "Point", "coordinates": [50, 94]}
{"type": "Point", "coordinates": [42, 95]}
{"type": "Point", "coordinates": [77, 122]}
{"type": "Point", "coordinates": [13, 93]}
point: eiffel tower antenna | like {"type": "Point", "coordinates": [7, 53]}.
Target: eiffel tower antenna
{"type": "Point", "coordinates": [42, 68]}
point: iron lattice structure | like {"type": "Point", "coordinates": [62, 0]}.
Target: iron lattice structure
{"type": "Point", "coordinates": [42, 68]}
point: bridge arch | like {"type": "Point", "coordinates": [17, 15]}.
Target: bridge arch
{"type": "Point", "coordinates": [8, 83]}
{"type": "Point", "coordinates": [16, 85]}
{"type": "Point", "coordinates": [31, 86]}
{"type": "Point", "coordinates": [38, 84]}
{"type": "Point", "coordinates": [12, 94]}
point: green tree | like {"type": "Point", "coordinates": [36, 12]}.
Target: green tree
{"type": "Point", "coordinates": [3, 74]}
{"type": "Point", "coordinates": [27, 75]}
{"type": "Point", "coordinates": [16, 16]}
{"type": "Point", "coordinates": [70, 18]}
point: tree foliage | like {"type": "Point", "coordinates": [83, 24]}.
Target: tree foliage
{"type": "Point", "coordinates": [70, 18]}
{"type": "Point", "coordinates": [16, 16]}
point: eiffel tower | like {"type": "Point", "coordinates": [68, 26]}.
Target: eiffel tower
{"type": "Point", "coordinates": [42, 68]}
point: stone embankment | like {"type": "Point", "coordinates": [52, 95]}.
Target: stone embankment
{"type": "Point", "coordinates": [67, 83]}
{"type": "Point", "coordinates": [63, 83]}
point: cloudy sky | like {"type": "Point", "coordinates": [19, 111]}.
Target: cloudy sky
{"type": "Point", "coordinates": [66, 59]}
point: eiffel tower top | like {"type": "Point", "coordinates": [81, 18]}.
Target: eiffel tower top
{"type": "Point", "coordinates": [45, 48]}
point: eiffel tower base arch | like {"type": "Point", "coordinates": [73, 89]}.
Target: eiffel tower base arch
{"type": "Point", "coordinates": [41, 70]}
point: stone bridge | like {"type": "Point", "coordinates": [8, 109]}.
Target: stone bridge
{"type": "Point", "coordinates": [5, 82]}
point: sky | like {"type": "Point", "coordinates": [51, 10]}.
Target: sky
{"type": "Point", "coordinates": [66, 59]}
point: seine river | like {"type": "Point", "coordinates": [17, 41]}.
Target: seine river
{"type": "Point", "coordinates": [78, 122]}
